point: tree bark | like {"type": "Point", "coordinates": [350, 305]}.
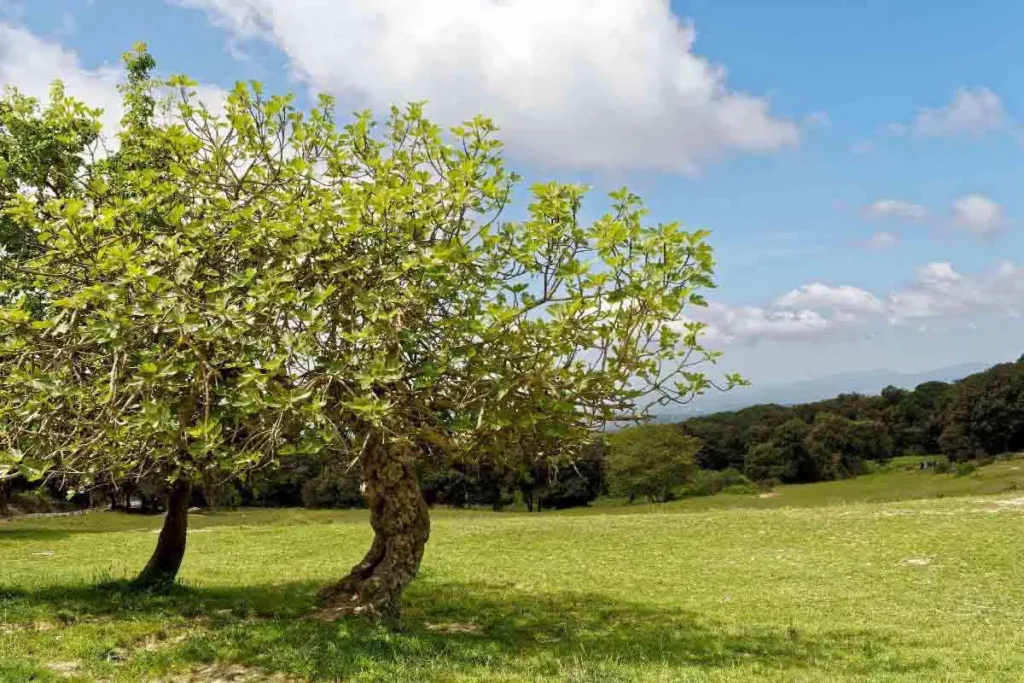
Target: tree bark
{"type": "Point", "coordinates": [209, 493]}
{"type": "Point", "coordinates": [527, 498]}
{"type": "Point", "coordinates": [401, 524]}
{"type": "Point", "coordinates": [163, 566]}
{"type": "Point", "coordinates": [5, 509]}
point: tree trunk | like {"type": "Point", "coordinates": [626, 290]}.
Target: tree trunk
{"type": "Point", "coordinates": [528, 498]}
{"type": "Point", "coordinates": [209, 493]}
{"type": "Point", "coordinates": [5, 509]}
{"type": "Point", "coordinates": [163, 566]}
{"type": "Point", "coordinates": [401, 524]}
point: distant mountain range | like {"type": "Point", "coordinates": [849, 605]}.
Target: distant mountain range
{"type": "Point", "coordinates": [808, 391]}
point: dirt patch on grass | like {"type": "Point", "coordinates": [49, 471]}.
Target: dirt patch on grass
{"type": "Point", "coordinates": [230, 673]}
{"type": "Point", "coordinates": [1011, 503]}
{"type": "Point", "coordinates": [769, 494]}
{"type": "Point", "coordinates": [27, 626]}
{"type": "Point", "coordinates": [66, 669]}
{"type": "Point", "coordinates": [161, 641]}
{"type": "Point", "coordinates": [453, 627]}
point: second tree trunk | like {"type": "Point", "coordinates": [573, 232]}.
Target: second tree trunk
{"type": "Point", "coordinates": [401, 526]}
{"type": "Point", "coordinates": [163, 566]}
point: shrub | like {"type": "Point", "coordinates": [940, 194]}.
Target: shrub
{"type": "Point", "coordinates": [742, 489]}
{"type": "Point", "coordinates": [965, 468]}
{"type": "Point", "coordinates": [710, 482]}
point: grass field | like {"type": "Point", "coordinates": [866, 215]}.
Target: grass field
{"type": "Point", "coordinates": [826, 582]}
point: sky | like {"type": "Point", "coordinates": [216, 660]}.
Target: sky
{"type": "Point", "coordinates": [858, 162]}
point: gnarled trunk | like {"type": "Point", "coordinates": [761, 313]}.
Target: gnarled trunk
{"type": "Point", "coordinates": [163, 566]}
{"type": "Point", "coordinates": [401, 525]}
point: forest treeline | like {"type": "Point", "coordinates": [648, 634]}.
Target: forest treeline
{"type": "Point", "coordinates": [978, 416]}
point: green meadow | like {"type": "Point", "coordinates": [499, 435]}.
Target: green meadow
{"type": "Point", "coordinates": [900, 575]}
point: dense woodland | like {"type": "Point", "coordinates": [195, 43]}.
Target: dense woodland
{"type": "Point", "coordinates": [981, 415]}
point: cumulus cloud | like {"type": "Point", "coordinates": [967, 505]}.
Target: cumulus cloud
{"type": "Point", "coordinates": [937, 296]}
{"type": "Point", "coordinates": [818, 296]}
{"type": "Point", "coordinates": [974, 213]}
{"type": "Point", "coordinates": [599, 84]}
{"type": "Point", "coordinates": [728, 324]}
{"type": "Point", "coordinates": [31, 64]}
{"type": "Point", "coordinates": [978, 215]}
{"type": "Point", "coordinates": [973, 112]}
{"type": "Point", "coordinates": [895, 208]}
{"type": "Point", "coordinates": [940, 291]}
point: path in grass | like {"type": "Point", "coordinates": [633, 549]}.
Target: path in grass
{"type": "Point", "coordinates": [930, 590]}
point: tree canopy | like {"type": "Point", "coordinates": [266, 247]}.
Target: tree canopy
{"type": "Point", "coordinates": [228, 288]}
{"type": "Point", "coordinates": [650, 461]}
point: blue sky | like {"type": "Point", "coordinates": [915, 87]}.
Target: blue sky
{"type": "Point", "coordinates": [858, 162]}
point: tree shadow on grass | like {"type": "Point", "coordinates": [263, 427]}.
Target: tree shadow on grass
{"type": "Point", "coordinates": [451, 629]}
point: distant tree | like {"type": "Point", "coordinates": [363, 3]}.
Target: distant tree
{"type": "Point", "coordinates": [784, 456]}
{"type": "Point", "coordinates": [542, 477]}
{"type": "Point", "coordinates": [958, 443]}
{"type": "Point", "coordinates": [984, 413]}
{"type": "Point", "coordinates": [764, 462]}
{"type": "Point", "coordinates": [576, 483]}
{"type": "Point", "coordinates": [722, 441]}
{"type": "Point", "coordinates": [650, 461]}
{"type": "Point", "coordinates": [892, 395]}
{"type": "Point", "coordinates": [915, 421]}
{"type": "Point", "coordinates": [830, 445]}
{"type": "Point", "coordinates": [870, 440]}
{"type": "Point", "coordinates": [336, 486]}
{"type": "Point", "coordinates": [726, 437]}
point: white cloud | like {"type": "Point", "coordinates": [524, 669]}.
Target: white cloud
{"type": "Point", "coordinates": [974, 112]}
{"type": "Point", "coordinates": [751, 323]}
{"type": "Point", "coordinates": [938, 296]}
{"type": "Point", "coordinates": [939, 291]}
{"type": "Point", "coordinates": [31, 64]}
{"type": "Point", "coordinates": [882, 240]}
{"type": "Point", "coordinates": [895, 208]}
{"type": "Point", "coordinates": [819, 296]}
{"type": "Point", "coordinates": [978, 214]}
{"type": "Point", "coordinates": [601, 84]}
